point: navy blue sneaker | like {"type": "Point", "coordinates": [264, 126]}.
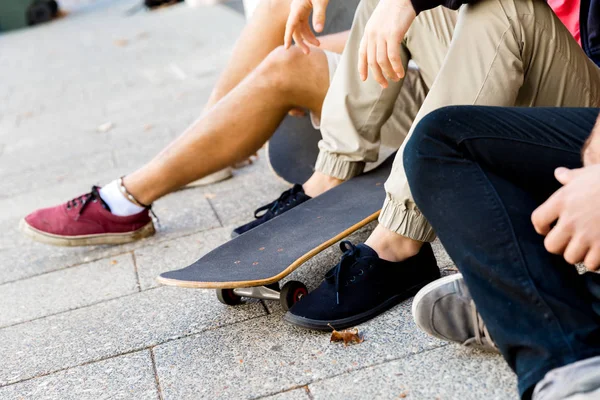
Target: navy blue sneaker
{"type": "Point", "coordinates": [362, 286]}
{"type": "Point", "coordinates": [288, 200]}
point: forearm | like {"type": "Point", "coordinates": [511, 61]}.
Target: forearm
{"type": "Point", "coordinates": [334, 42]}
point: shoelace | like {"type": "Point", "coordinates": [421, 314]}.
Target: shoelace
{"type": "Point", "coordinates": [92, 197]}
{"type": "Point", "coordinates": [347, 261]}
{"type": "Point", "coordinates": [84, 200]}
{"type": "Point", "coordinates": [482, 335]}
{"type": "Point", "coordinates": [285, 199]}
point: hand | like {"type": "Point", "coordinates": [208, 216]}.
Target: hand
{"type": "Point", "coordinates": [380, 45]}
{"type": "Point", "coordinates": [591, 148]}
{"type": "Point", "coordinates": [576, 235]}
{"type": "Point", "coordinates": [297, 26]}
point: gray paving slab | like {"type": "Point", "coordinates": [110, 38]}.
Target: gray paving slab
{"type": "Point", "coordinates": [67, 289]}
{"type": "Point", "coordinates": [295, 394]}
{"type": "Point", "coordinates": [446, 373]}
{"type": "Point", "coordinates": [121, 378]}
{"type": "Point", "coordinates": [174, 254]}
{"type": "Point", "coordinates": [236, 199]}
{"type": "Point", "coordinates": [181, 213]}
{"type": "Point", "coordinates": [266, 356]}
{"type": "Point", "coordinates": [112, 328]}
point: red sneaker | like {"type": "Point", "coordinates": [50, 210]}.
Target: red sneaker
{"type": "Point", "coordinates": [85, 220]}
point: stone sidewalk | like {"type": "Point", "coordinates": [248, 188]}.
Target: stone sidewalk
{"type": "Point", "coordinates": [92, 323]}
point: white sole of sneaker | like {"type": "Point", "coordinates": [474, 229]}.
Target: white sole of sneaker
{"type": "Point", "coordinates": [86, 240]}
{"type": "Point", "coordinates": [428, 289]}
{"type": "Point", "coordinates": [212, 178]}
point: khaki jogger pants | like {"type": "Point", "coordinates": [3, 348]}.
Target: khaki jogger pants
{"type": "Point", "coordinates": [494, 52]}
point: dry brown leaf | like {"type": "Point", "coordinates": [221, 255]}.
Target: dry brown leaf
{"type": "Point", "coordinates": [403, 395]}
{"type": "Point", "coordinates": [114, 262]}
{"type": "Point", "coordinates": [120, 42]}
{"type": "Point", "coordinates": [347, 336]}
{"type": "Point", "coordinates": [105, 127]}
{"type": "Point", "coordinates": [209, 196]}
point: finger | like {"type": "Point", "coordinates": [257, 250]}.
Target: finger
{"type": "Point", "coordinates": [557, 240]}
{"type": "Point", "coordinates": [309, 36]}
{"type": "Point", "coordinates": [289, 30]}
{"type": "Point", "coordinates": [373, 65]}
{"type": "Point", "coordinates": [576, 251]}
{"type": "Point", "coordinates": [592, 259]}
{"type": "Point", "coordinates": [291, 26]}
{"type": "Point", "coordinates": [363, 69]}
{"type": "Point", "coordinates": [384, 61]}
{"type": "Point", "coordinates": [563, 175]}
{"type": "Point", "coordinates": [393, 51]}
{"type": "Point", "coordinates": [319, 8]}
{"type": "Point", "coordinates": [543, 216]}
{"type": "Point", "coordinates": [300, 43]}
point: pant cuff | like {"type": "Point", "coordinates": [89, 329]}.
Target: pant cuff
{"type": "Point", "coordinates": [333, 165]}
{"type": "Point", "coordinates": [406, 220]}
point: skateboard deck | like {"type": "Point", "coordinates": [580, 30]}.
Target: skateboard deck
{"type": "Point", "coordinates": [292, 151]}
{"type": "Point", "coordinates": [271, 251]}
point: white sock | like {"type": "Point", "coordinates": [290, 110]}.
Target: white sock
{"type": "Point", "coordinates": [118, 203]}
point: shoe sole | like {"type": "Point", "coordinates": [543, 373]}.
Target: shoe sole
{"type": "Point", "coordinates": [218, 176]}
{"type": "Point", "coordinates": [349, 322]}
{"type": "Point", "coordinates": [428, 289]}
{"type": "Point", "coordinates": [86, 240]}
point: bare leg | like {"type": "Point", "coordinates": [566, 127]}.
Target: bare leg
{"type": "Point", "coordinates": [391, 246]}
{"type": "Point", "coordinates": [238, 125]}
{"type": "Point", "coordinates": [262, 34]}
{"type": "Point", "coordinates": [319, 183]}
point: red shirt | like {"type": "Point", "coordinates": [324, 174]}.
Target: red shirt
{"type": "Point", "coordinates": [568, 12]}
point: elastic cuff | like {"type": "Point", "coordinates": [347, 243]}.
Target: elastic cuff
{"type": "Point", "coordinates": [332, 165]}
{"type": "Point", "coordinates": [406, 220]}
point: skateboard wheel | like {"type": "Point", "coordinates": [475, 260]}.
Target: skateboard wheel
{"type": "Point", "coordinates": [291, 293]}
{"type": "Point", "coordinates": [227, 296]}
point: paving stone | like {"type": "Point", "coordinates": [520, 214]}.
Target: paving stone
{"type": "Point", "coordinates": [67, 289]}
{"type": "Point", "coordinates": [254, 186]}
{"type": "Point", "coordinates": [446, 373]}
{"type": "Point", "coordinates": [45, 179]}
{"type": "Point", "coordinates": [174, 254]}
{"type": "Point", "coordinates": [181, 213]}
{"type": "Point", "coordinates": [126, 377]}
{"type": "Point", "coordinates": [443, 259]}
{"type": "Point", "coordinates": [296, 394]}
{"type": "Point", "coordinates": [266, 356]}
{"type": "Point", "coordinates": [112, 328]}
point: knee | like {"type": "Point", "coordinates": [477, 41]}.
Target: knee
{"type": "Point", "coordinates": [277, 69]}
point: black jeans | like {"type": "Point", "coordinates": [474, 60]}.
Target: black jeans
{"type": "Point", "coordinates": [477, 174]}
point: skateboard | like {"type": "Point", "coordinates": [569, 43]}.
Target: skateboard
{"type": "Point", "coordinates": [293, 149]}
{"type": "Point", "coordinates": [251, 265]}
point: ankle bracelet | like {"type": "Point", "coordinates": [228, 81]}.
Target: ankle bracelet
{"type": "Point", "coordinates": [128, 195]}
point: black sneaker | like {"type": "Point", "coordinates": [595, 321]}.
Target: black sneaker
{"type": "Point", "coordinates": [361, 287]}
{"type": "Point", "coordinates": [288, 200]}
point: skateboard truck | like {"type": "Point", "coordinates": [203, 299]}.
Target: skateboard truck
{"type": "Point", "coordinates": [291, 293]}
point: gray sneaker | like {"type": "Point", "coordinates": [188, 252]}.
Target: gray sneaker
{"type": "Point", "coordinates": [577, 381]}
{"type": "Point", "coordinates": [444, 309]}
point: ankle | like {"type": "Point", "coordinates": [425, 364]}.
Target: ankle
{"type": "Point", "coordinates": [391, 246]}
{"type": "Point", "coordinates": [117, 201]}
{"type": "Point", "coordinates": [319, 183]}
